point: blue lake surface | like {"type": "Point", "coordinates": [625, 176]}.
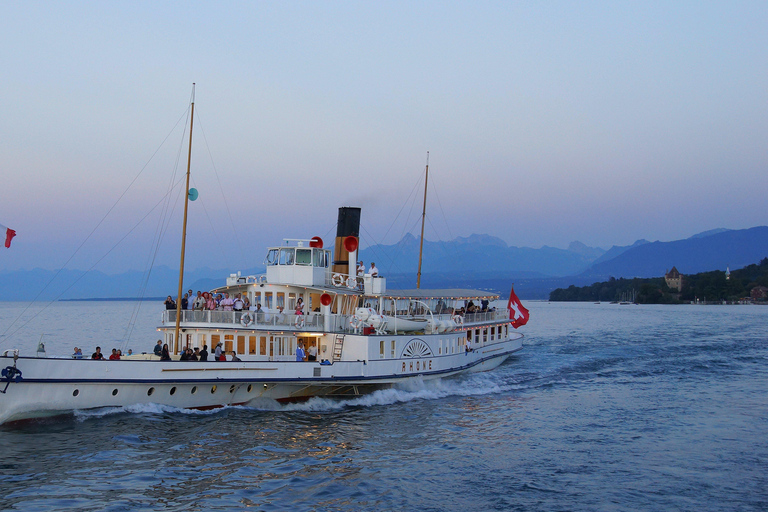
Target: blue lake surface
{"type": "Point", "coordinates": [608, 407]}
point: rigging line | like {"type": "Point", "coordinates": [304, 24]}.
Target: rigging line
{"type": "Point", "coordinates": [156, 243]}
{"type": "Point", "coordinates": [445, 219]}
{"type": "Point", "coordinates": [216, 172]}
{"type": "Point", "coordinates": [93, 266]}
{"type": "Point", "coordinates": [96, 227]}
{"type": "Point", "coordinates": [413, 191]}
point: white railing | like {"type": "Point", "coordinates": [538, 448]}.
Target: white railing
{"type": "Point", "coordinates": [311, 322]}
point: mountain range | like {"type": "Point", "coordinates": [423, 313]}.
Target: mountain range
{"type": "Point", "coordinates": [478, 261]}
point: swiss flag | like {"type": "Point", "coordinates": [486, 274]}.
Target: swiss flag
{"type": "Point", "coordinates": [9, 234]}
{"type": "Point", "coordinates": [517, 312]}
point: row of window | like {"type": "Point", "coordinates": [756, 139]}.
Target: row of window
{"type": "Point", "coordinates": [172, 391]}
{"type": "Point", "coordinates": [297, 256]}
{"type": "Point", "coordinates": [454, 345]}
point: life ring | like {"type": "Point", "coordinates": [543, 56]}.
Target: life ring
{"type": "Point", "coordinates": [299, 321]}
{"type": "Point", "coordinates": [351, 283]}
{"type": "Point", "coordinates": [355, 323]}
{"type": "Point", "coordinates": [338, 280]}
{"type": "Point", "coordinates": [458, 319]}
{"type": "Point", "coordinates": [246, 319]}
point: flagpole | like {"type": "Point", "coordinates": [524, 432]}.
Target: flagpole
{"type": "Point", "coordinates": [176, 343]}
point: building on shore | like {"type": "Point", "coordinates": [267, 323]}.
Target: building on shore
{"type": "Point", "coordinates": [674, 279]}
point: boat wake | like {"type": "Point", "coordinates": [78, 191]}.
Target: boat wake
{"type": "Point", "coordinates": [417, 389]}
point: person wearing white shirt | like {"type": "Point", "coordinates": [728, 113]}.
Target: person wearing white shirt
{"type": "Point", "coordinates": [374, 272]}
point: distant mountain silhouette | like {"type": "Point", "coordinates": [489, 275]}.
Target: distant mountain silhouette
{"type": "Point", "coordinates": [477, 261]}
{"type": "Point", "coordinates": [725, 248]}
{"type": "Point", "coordinates": [478, 253]}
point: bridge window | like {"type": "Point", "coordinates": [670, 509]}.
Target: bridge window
{"type": "Point", "coordinates": [303, 256]}
{"type": "Point", "coordinates": [287, 255]}
{"type": "Point", "coordinates": [271, 258]}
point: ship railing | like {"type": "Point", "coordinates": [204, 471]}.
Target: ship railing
{"type": "Point", "coordinates": [311, 322]}
{"type": "Point", "coordinates": [486, 316]}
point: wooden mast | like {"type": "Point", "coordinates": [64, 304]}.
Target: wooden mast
{"type": "Point", "coordinates": [423, 216]}
{"type": "Point", "coordinates": [177, 346]}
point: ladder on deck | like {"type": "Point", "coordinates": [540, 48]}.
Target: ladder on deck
{"type": "Point", "coordinates": [338, 345]}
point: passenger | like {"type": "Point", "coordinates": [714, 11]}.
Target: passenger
{"type": "Point", "coordinates": [312, 352]}
{"type": "Point", "coordinates": [234, 356]}
{"type": "Point", "coordinates": [210, 303]}
{"type": "Point", "coordinates": [360, 274]}
{"type": "Point", "coordinates": [77, 354]}
{"type": "Point", "coordinates": [237, 304]}
{"type": "Point", "coordinates": [190, 300]}
{"type": "Point", "coordinates": [119, 353]}
{"type": "Point", "coordinates": [300, 354]}
{"type": "Point", "coordinates": [260, 313]}
{"type": "Point", "coordinates": [184, 355]}
{"type": "Point", "coordinates": [164, 355]}
{"type": "Point", "coordinates": [217, 353]}
{"type": "Point", "coordinates": [246, 302]}
{"type": "Point", "coordinates": [219, 298]}
{"type": "Point", "coordinates": [98, 354]}
{"type": "Point", "coordinates": [196, 354]}
{"type": "Point", "coordinates": [185, 301]}
{"type": "Point", "coordinates": [227, 303]}
{"type": "Point", "coordinates": [374, 272]}
{"type": "Point", "coordinates": [130, 352]}
{"type": "Point", "coordinates": [169, 303]}
{"type": "Point", "coordinates": [204, 353]}
{"type": "Point", "coordinates": [199, 303]}
{"type": "Point", "coordinates": [159, 348]}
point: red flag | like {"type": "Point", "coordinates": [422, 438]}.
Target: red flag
{"type": "Point", "coordinates": [517, 312]}
{"type": "Point", "coordinates": [9, 234]}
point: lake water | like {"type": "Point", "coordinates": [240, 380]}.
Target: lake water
{"type": "Point", "coordinates": [608, 407]}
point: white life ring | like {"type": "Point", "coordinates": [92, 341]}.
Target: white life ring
{"type": "Point", "coordinates": [299, 321]}
{"type": "Point", "coordinates": [338, 280]}
{"type": "Point", "coordinates": [246, 319]}
{"type": "Point", "coordinates": [458, 319]}
{"type": "Point", "coordinates": [351, 283]}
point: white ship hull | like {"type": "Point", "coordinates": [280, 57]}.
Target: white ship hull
{"type": "Point", "coordinates": [54, 386]}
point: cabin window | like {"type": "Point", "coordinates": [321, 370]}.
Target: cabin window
{"type": "Point", "coordinates": [263, 346]}
{"type": "Point", "coordinates": [303, 256]}
{"type": "Point", "coordinates": [215, 339]}
{"type": "Point", "coordinates": [287, 255]}
{"type": "Point", "coordinates": [493, 333]}
{"type": "Point", "coordinates": [272, 256]}
{"type": "Point", "coordinates": [291, 301]}
{"type": "Point", "coordinates": [241, 344]}
{"type": "Point", "coordinates": [381, 349]}
{"type": "Point", "coordinates": [469, 335]}
{"type": "Point", "coordinates": [392, 349]}
{"type": "Point", "coordinates": [485, 335]}
{"type": "Point", "coordinates": [252, 344]}
{"type": "Point", "coordinates": [280, 300]}
{"type": "Point", "coordinates": [229, 341]}
{"type": "Point", "coordinates": [267, 301]}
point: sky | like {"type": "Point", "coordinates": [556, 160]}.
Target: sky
{"type": "Point", "coordinates": [545, 123]}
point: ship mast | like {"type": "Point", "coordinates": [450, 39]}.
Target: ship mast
{"type": "Point", "coordinates": [423, 216]}
{"type": "Point", "coordinates": [176, 343]}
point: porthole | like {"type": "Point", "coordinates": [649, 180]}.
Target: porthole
{"type": "Point", "coordinates": [232, 388]}
{"type": "Point", "coordinates": [173, 390]}
{"type": "Point", "coordinates": [250, 387]}
{"type": "Point", "coordinates": [150, 391]}
{"type": "Point", "coordinates": [114, 392]}
{"type": "Point", "coordinates": [194, 390]}
{"type": "Point", "coordinates": [213, 389]}
{"type": "Point", "coordinates": [76, 392]}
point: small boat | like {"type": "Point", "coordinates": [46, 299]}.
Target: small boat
{"type": "Point", "coordinates": [359, 335]}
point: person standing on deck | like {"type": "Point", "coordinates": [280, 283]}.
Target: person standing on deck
{"type": "Point", "coordinates": [300, 354]}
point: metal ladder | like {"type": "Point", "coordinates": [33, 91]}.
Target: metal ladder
{"type": "Point", "coordinates": [338, 345]}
